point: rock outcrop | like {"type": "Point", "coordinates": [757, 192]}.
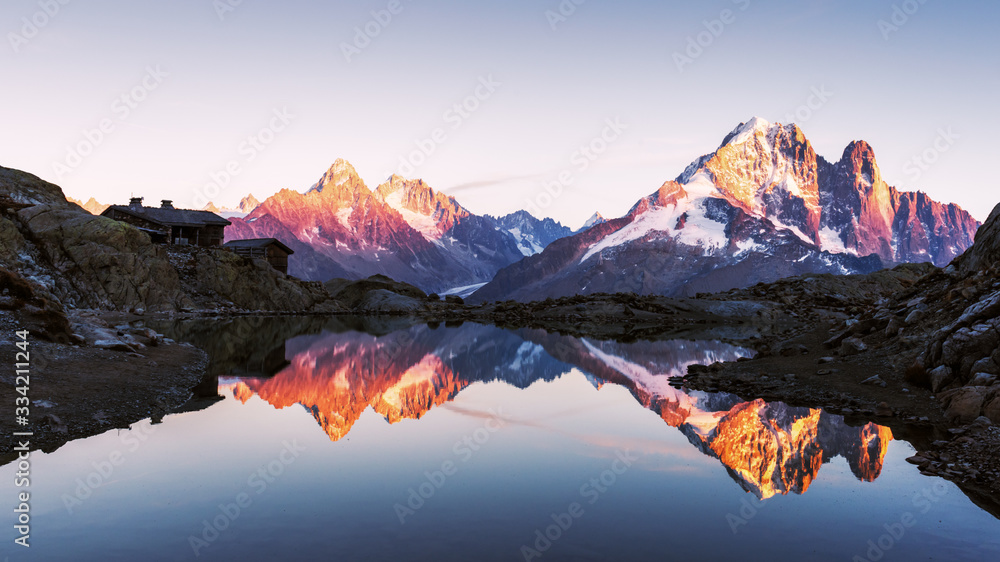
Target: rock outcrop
{"type": "Point", "coordinates": [950, 319]}
{"type": "Point", "coordinates": [985, 253]}
{"type": "Point", "coordinates": [32, 310]}
{"type": "Point", "coordinates": [87, 261]}
{"type": "Point", "coordinates": [96, 262]}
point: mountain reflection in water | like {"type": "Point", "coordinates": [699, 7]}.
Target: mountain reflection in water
{"type": "Point", "coordinates": [767, 448]}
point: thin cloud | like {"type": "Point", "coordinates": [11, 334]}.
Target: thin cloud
{"type": "Point", "coordinates": [480, 184]}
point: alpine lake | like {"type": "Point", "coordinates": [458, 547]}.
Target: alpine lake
{"type": "Point", "coordinates": [354, 439]}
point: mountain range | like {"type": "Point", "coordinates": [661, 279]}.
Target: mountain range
{"type": "Point", "coordinates": [403, 229]}
{"type": "Point", "coordinates": [761, 207]}
{"type": "Point", "coordinates": [245, 207]}
{"type": "Point", "coordinates": [92, 206]}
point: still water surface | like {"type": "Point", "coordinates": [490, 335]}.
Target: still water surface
{"type": "Point", "coordinates": [353, 441]}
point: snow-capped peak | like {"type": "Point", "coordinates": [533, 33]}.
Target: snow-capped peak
{"type": "Point", "coordinates": [748, 130]}
{"type": "Point", "coordinates": [593, 221]}
{"type": "Point", "coordinates": [340, 173]}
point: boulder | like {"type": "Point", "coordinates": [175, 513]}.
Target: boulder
{"type": "Point", "coordinates": [965, 404]}
{"type": "Point", "coordinates": [992, 410]}
{"type": "Point", "coordinates": [382, 301]}
{"type": "Point", "coordinates": [852, 346]}
{"type": "Point", "coordinates": [986, 365]}
{"type": "Point", "coordinates": [975, 342]}
{"type": "Point", "coordinates": [940, 377]}
{"type": "Point", "coordinates": [914, 317]}
{"type": "Point", "coordinates": [791, 350]}
{"type": "Point", "coordinates": [34, 309]}
{"type": "Point", "coordinates": [101, 263]}
{"type": "Point", "coordinates": [986, 251]}
{"type": "Point", "coordinates": [250, 284]}
{"type": "Point", "coordinates": [983, 379]}
{"type": "Point", "coordinates": [114, 345]}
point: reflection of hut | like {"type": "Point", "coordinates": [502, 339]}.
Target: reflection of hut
{"type": "Point", "coordinates": [167, 225]}
{"type": "Point", "coordinates": [270, 250]}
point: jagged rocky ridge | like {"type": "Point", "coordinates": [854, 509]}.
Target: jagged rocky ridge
{"type": "Point", "coordinates": [761, 207]}
{"type": "Point", "coordinates": [92, 206]}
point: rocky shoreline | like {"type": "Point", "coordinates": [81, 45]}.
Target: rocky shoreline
{"type": "Point", "coordinates": [924, 361]}
{"type": "Point", "coordinates": [102, 385]}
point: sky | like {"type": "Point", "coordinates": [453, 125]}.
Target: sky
{"type": "Point", "coordinates": [563, 107]}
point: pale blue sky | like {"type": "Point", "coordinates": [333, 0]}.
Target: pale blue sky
{"type": "Point", "coordinates": [557, 88]}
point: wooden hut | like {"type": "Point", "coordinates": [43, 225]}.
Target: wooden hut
{"type": "Point", "coordinates": [167, 225]}
{"type": "Point", "coordinates": [270, 250]}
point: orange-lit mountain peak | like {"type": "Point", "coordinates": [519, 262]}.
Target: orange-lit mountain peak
{"type": "Point", "coordinates": [242, 392]}
{"type": "Point", "coordinates": [778, 450]}
{"type": "Point", "coordinates": [430, 212]}
{"type": "Point", "coordinates": [427, 384]}
{"type": "Point", "coordinates": [337, 383]}
{"type": "Point", "coordinates": [874, 445]}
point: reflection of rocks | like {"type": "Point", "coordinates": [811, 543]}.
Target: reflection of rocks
{"type": "Point", "coordinates": [243, 346]}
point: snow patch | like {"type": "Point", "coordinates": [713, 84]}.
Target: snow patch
{"type": "Point", "coordinates": [793, 229]}
{"type": "Point", "coordinates": [750, 245]}
{"type": "Point", "coordinates": [424, 224]}
{"type": "Point", "coordinates": [830, 241]}
{"type": "Point", "coordinates": [527, 355]}
{"type": "Point", "coordinates": [747, 131]}
{"type": "Point", "coordinates": [698, 229]}
{"type": "Point", "coordinates": [344, 217]}
{"type": "Point", "coordinates": [463, 292]}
